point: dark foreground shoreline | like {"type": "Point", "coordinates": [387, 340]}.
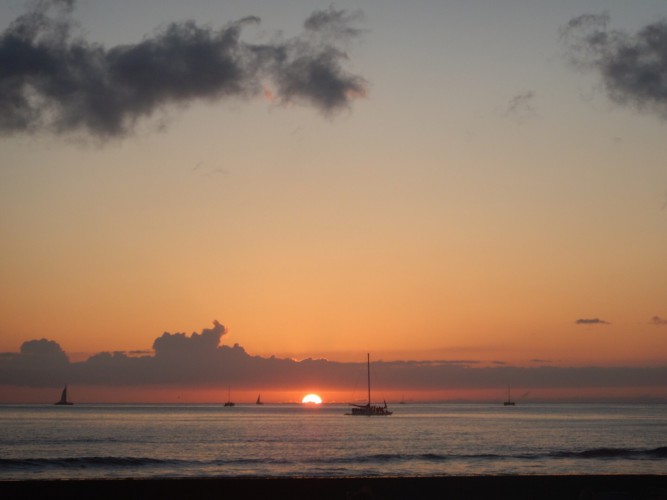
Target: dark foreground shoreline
{"type": "Point", "coordinates": [579, 487]}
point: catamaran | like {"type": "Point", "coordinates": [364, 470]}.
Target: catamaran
{"type": "Point", "coordinates": [369, 410]}
{"type": "Point", "coordinates": [229, 398]}
{"type": "Point", "coordinates": [509, 401]}
{"type": "Point", "coordinates": [63, 399]}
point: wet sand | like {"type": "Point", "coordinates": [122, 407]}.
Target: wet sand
{"type": "Point", "coordinates": [616, 487]}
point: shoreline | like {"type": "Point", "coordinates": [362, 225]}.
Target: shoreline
{"type": "Point", "coordinates": [543, 487]}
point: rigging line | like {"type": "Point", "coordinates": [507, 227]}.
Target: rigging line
{"type": "Point", "coordinates": [359, 374]}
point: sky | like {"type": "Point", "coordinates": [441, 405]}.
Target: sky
{"type": "Point", "coordinates": [479, 185]}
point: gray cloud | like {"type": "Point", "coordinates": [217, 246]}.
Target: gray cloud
{"type": "Point", "coordinates": [180, 344]}
{"type": "Point", "coordinates": [633, 67]}
{"type": "Point", "coordinates": [33, 363]}
{"type": "Point", "coordinates": [53, 80]}
{"type": "Point", "coordinates": [658, 321]}
{"type": "Point", "coordinates": [44, 349]}
{"type": "Point", "coordinates": [520, 107]}
{"type": "Point", "coordinates": [199, 360]}
{"type": "Point", "coordinates": [591, 321]}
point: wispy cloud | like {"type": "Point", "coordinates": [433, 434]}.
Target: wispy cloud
{"type": "Point", "coordinates": [521, 106]}
{"type": "Point", "coordinates": [53, 80]}
{"type": "Point", "coordinates": [658, 321]}
{"type": "Point", "coordinates": [631, 65]}
{"type": "Point", "coordinates": [591, 321]}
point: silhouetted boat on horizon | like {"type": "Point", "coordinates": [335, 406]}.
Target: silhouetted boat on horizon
{"type": "Point", "coordinates": [509, 401]}
{"type": "Point", "coordinates": [229, 398]}
{"type": "Point", "coordinates": [63, 399]}
{"type": "Point", "coordinates": [369, 410]}
{"type": "Point", "coordinates": [259, 401]}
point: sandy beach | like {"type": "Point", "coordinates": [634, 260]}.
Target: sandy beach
{"type": "Point", "coordinates": [616, 487]}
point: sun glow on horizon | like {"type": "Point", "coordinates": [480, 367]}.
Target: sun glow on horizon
{"type": "Point", "coordinates": [311, 399]}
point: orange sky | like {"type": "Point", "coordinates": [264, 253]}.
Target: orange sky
{"type": "Point", "coordinates": [176, 395]}
{"type": "Point", "coordinates": [474, 198]}
{"type": "Point", "coordinates": [201, 367]}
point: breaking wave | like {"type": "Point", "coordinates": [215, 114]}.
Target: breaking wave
{"type": "Point", "coordinates": [139, 462]}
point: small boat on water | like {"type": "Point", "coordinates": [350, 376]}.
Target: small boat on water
{"type": "Point", "coordinates": [229, 398]}
{"type": "Point", "coordinates": [63, 399]}
{"type": "Point", "coordinates": [509, 401]}
{"type": "Point", "coordinates": [259, 401]}
{"type": "Point", "coordinates": [369, 409]}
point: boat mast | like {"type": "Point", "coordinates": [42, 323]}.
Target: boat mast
{"type": "Point", "coordinates": [369, 377]}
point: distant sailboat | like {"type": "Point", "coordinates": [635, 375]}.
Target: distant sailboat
{"type": "Point", "coordinates": [369, 410]}
{"type": "Point", "coordinates": [63, 399]}
{"type": "Point", "coordinates": [509, 401]}
{"type": "Point", "coordinates": [259, 401]}
{"type": "Point", "coordinates": [229, 398]}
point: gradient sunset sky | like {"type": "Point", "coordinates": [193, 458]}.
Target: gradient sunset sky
{"type": "Point", "coordinates": [493, 187]}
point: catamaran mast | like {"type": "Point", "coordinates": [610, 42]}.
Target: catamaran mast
{"type": "Point", "coordinates": [369, 377]}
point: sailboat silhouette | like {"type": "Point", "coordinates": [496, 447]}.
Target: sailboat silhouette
{"type": "Point", "coordinates": [229, 398]}
{"type": "Point", "coordinates": [369, 409]}
{"type": "Point", "coordinates": [509, 401]}
{"type": "Point", "coordinates": [63, 399]}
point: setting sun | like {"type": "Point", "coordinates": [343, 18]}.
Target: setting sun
{"type": "Point", "coordinates": [312, 399]}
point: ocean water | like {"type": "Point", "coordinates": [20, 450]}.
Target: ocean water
{"type": "Point", "coordinates": [156, 441]}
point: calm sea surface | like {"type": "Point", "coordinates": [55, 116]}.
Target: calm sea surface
{"type": "Point", "coordinates": [152, 441]}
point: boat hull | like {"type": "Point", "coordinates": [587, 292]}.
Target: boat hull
{"type": "Point", "coordinates": [369, 410]}
{"type": "Point", "coordinates": [373, 411]}
{"type": "Point", "coordinates": [63, 399]}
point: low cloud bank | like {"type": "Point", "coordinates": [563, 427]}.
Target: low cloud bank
{"type": "Point", "coordinates": [200, 360]}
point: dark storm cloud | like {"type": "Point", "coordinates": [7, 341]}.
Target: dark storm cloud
{"type": "Point", "coordinates": [53, 80]}
{"type": "Point", "coordinates": [199, 360]}
{"type": "Point", "coordinates": [633, 67]}
{"type": "Point", "coordinates": [591, 321]}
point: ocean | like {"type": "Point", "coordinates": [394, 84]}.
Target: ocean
{"type": "Point", "coordinates": [111, 441]}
